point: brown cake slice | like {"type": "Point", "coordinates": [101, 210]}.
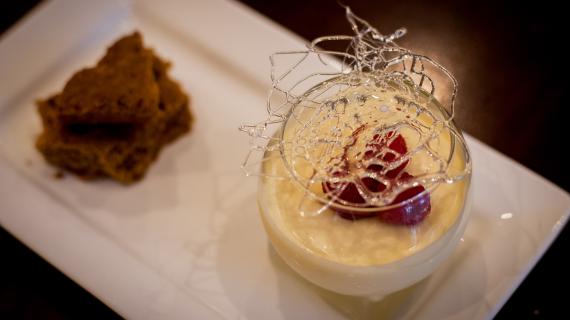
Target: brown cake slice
{"type": "Point", "coordinates": [120, 88]}
{"type": "Point", "coordinates": [173, 104]}
{"type": "Point", "coordinates": [102, 132]}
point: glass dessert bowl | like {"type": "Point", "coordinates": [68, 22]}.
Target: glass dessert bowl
{"type": "Point", "coordinates": [364, 186]}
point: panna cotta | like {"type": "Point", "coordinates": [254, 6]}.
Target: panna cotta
{"type": "Point", "coordinates": [364, 186]}
{"type": "Point", "coordinates": [365, 192]}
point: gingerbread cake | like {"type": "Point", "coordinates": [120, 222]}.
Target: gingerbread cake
{"type": "Point", "coordinates": [113, 119]}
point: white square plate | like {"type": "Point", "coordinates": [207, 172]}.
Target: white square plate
{"type": "Point", "coordinates": [186, 242]}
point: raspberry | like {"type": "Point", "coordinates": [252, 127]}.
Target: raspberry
{"type": "Point", "coordinates": [408, 214]}
{"type": "Point", "coordinates": [412, 212]}
{"type": "Point", "coordinates": [377, 144]}
{"type": "Point", "coordinates": [349, 194]}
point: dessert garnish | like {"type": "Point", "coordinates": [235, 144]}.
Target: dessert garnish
{"type": "Point", "coordinates": [412, 212]}
{"type": "Point", "coordinates": [360, 131]}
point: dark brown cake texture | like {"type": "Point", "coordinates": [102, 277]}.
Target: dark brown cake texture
{"type": "Point", "coordinates": [113, 119]}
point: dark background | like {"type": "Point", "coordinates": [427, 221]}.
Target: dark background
{"type": "Point", "coordinates": [510, 60]}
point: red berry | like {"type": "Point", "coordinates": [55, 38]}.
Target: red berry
{"type": "Point", "coordinates": [349, 194]}
{"type": "Point", "coordinates": [408, 214]}
{"type": "Point", "coordinates": [348, 191]}
{"type": "Point", "coordinates": [412, 212]}
{"type": "Point", "coordinates": [373, 185]}
{"type": "Point", "coordinates": [398, 145]}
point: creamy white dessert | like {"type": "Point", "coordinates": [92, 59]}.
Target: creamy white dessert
{"type": "Point", "coordinates": [368, 256]}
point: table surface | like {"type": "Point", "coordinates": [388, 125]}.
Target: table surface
{"type": "Point", "coordinates": [512, 79]}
